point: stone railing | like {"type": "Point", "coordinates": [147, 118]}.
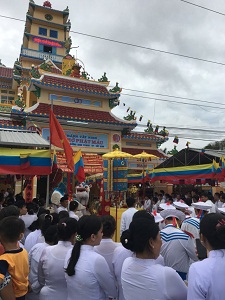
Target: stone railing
{"type": "Point", "coordinates": [41, 55]}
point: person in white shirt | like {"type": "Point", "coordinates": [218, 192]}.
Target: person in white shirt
{"type": "Point", "coordinates": [63, 204]}
{"type": "Point", "coordinates": [107, 245]}
{"type": "Point", "coordinates": [87, 274]}
{"type": "Point", "coordinates": [142, 277]}
{"type": "Point", "coordinates": [147, 203]}
{"type": "Point", "coordinates": [127, 216]}
{"type": "Point", "coordinates": [205, 198]}
{"type": "Point", "coordinates": [51, 273]}
{"type": "Point", "coordinates": [178, 247]}
{"type": "Point", "coordinates": [206, 278]}
{"type": "Point", "coordinates": [121, 253]}
{"type": "Point", "coordinates": [73, 206]}
{"type": "Point", "coordinates": [35, 253]}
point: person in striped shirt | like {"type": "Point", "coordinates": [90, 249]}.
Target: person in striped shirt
{"type": "Point", "coordinates": [177, 247]}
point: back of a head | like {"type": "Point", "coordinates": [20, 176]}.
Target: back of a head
{"type": "Point", "coordinates": [109, 226]}
{"type": "Point", "coordinates": [88, 225]}
{"type": "Point", "coordinates": [20, 203]}
{"type": "Point", "coordinates": [142, 214]}
{"type": "Point", "coordinates": [51, 235]}
{"type": "Point", "coordinates": [130, 202]}
{"type": "Point", "coordinates": [195, 198]}
{"type": "Point", "coordinates": [212, 227]}
{"type": "Point", "coordinates": [8, 211]}
{"type": "Point", "coordinates": [63, 214]}
{"type": "Point", "coordinates": [45, 223]}
{"type": "Point", "coordinates": [136, 238]}
{"type": "Point", "coordinates": [73, 205]}
{"type": "Point", "coordinates": [66, 228]}
{"type": "Point", "coordinates": [11, 228]}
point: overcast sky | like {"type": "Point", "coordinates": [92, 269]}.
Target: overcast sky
{"type": "Point", "coordinates": [169, 25]}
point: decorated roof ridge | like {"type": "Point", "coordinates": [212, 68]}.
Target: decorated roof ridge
{"type": "Point", "coordinates": [72, 84]}
{"type": "Point", "coordinates": [124, 121]}
{"type": "Point", "coordinates": [135, 151]}
{"type": "Point", "coordinates": [144, 134]}
{"type": "Point", "coordinates": [45, 21]}
{"type": "Point", "coordinates": [64, 12]}
{"type": "Point", "coordinates": [78, 114]}
{"type": "Point", "coordinates": [6, 72]}
{"type": "Point", "coordinates": [9, 124]}
{"type": "Point", "coordinates": [94, 82]}
{"type": "Point", "coordinates": [143, 137]}
{"type": "Point", "coordinates": [45, 38]}
{"type": "Point", "coordinates": [52, 68]}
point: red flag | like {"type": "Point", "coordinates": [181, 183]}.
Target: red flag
{"type": "Point", "coordinates": [59, 139]}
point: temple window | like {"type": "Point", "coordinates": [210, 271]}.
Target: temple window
{"type": "Point", "coordinates": [43, 31]}
{"type": "Point", "coordinates": [54, 34]}
{"type": "Point", "coordinates": [47, 49]}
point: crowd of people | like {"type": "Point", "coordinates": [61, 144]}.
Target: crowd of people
{"type": "Point", "coordinates": [64, 254]}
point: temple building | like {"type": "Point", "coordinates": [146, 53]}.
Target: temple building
{"type": "Point", "coordinates": [47, 76]}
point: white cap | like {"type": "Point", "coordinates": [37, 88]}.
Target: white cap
{"type": "Point", "coordinates": [180, 205]}
{"type": "Point", "coordinates": [158, 218]}
{"type": "Point", "coordinates": [221, 210]}
{"type": "Point", "coordinates": [168, 213]}
{"type": "Point", "coordinates": [166, 206]}
{"type": "Point", "coordinates": [201, 205]}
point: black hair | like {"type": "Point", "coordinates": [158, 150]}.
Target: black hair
{"type": "Point", "coordinates": [73, 205]}
{"type": "Point", "coordinates": [142, 214]}
{"type": "Point", "coordinates": [20, 203]}
{"type": "Point", "coordinates": [109, 225]}
{"type": "Point", "coordinates": [32, 208]}
{"type": "Point", "coordinates": [38, 223]}
{"type": "Point", "coordinates": [130, 201]}
{"type": "Point", "coordinates": [19, 197]}
{"type": "Point", "coordinates": [8, 211]}
{"type": "Point", "coordinates": [212, 227]}
{"type": "Point", "coordinates": [42, 211]}
{"type": "Point", "coordinates": [136, 238]}
{"type": "Point", "coordinates": [55, 217]}
{"type": "Point", "coordinates": [66, 228]}
{"type": "Point", "coordinates": [11, 228]}
{"type": "Point", "coordinates": [64, 198]}
{"type": "Point", "coordinates": [51, 235]}
{"type": "Point", "coordinates": [47, 221]}
{"type": "Point", "coordinates": [86, 226]}
{"type": "Point", "coordinates": [63, 214]}
{"type": "Point", "coordinates": [188, 201]}
{"type": "Point", "coordinates": [205, 194]}
{"type": "Point", "coordinates": [155, 199]}
{"type": "Point", "coordinates": [196, 198]}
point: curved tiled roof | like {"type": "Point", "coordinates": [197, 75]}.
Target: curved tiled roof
{"type": "Point", "coordinates": [6, 72]}
{"type": "Point", "coordinates": [144, 136]}
{"type": "Point", "coordinates": [79, 114]}
{"type": "Point", "coordinates": [155, 152]}
{"type": "Point", "coordinates": [11, 124]}
{"type": "Point", "coordinates": [72, 84]}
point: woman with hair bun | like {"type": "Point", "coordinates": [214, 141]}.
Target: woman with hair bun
{"type": "Point", "coordinates": [142, 277]}
{"type": "Point", "coordinates": [207, 277]}
{"type": "Point", "coordinates": [51, 273]}
{"type": "Point", "coordinates": [88, 275]}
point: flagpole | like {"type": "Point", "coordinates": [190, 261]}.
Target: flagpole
{"type": "Point", "coordinates": [48, 177]}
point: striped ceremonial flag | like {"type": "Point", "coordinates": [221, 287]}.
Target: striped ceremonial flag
{"type": "Point", "coordinates": [79, 166]}
{"type": "Point", "coordinates": [18, 161]}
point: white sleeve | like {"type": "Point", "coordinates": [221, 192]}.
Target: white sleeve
{"type": "Point", "coordinates": [122, 224]}
{"type": "Point", "coordinates": [175, 286]}
{"type": "Point", "coordinates": [196, 290]}
{"type": "Point", "coordinates": [105, 277]}
{"type": "Point", "coordinates": [41, 276]}
{"type": "Point", "coordinates": [190, 249]}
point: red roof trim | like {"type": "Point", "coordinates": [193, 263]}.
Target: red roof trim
{"type": "Point", "coordinates": [79, 114]}
{"type": "Point", "coordinates": [71, 84]}
{"type": "Point", "coordinates": [6, 72]}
